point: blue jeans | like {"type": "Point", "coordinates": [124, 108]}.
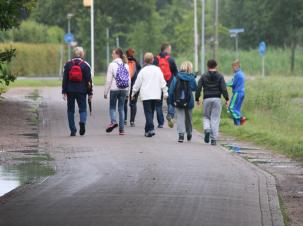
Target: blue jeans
{"type": "Point", "coordinates": [159, 111]}
{"type": "Point", "coordinates": [120, 96]}
{"type": "Point", "coordinates": [81, 101]}
{"type": "Point", "coordinates": [149, 109]}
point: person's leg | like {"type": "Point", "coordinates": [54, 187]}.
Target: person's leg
{"type": "Point", "coordinates": [215, 119]}
{"type": "Point", "coordinates": [71, 113]}
{"type": "Point", "coordinates": [180, 113]}
{"type": "Point", "coordinates": [121, 101]}
{"type": "Point", "coordinates": [159, 111]}
{"type": "Point", "coordinates": [188, 123]}
{"type": "Point", "coordinates": [234, 103]}
{"type": "Point", "coordinates": [207, 105]}
{"type": "Point", "coordinates": [153, 108]}
{"type": "Point", "coordinates": [81, 101]}
{"type": "Point", "coordinates": [148, 115]}
{"type": "Point", "coordinates": [112, 111]}
{"type": "Point", "coordinates": [133, 109]}
{"type": "Point", "coordinates": [125, 110]}
{"type": "Point", "coordinates": [113, 105]}
{"type": "Point", "coordinates": [238, 106]}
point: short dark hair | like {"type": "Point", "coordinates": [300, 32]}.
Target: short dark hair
{"type": "Point", "coordinates": [164, 46]}
{"type": "Point", "coordinates": [212, 64]}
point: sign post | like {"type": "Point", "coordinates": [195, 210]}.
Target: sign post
{"type": "Point", "coordinates": [234, 34]}
{"type": "Point", "coordinates": [262, 50]}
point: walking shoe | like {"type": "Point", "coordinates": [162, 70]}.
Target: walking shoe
{"type": "Point", "coordinates": [170, 121]}
{"type": "Point", "coordinates": [73, 134]}
{"type": "Point", "coordinates": [132, 124]}
{"type": "Point", "coordinates": [111, 127]}
{"type": "Point", "coordinates": [189, 136]}
{"type": "Point", "coordinates": [213, 142]}
{"type": "Point", "coordinates": [242, 120]}
{"type": "Point", "coordinates": [121, 132]}
{"type": "Point", "coordinates": [206, 137]}
{"type": "Point", "coordinates": [160, 126]}
{"type": "Point", "coordinates": [181, 138]}
{"type": "Point", "coordinates": [82, 128]}
{"type": "Point", "coordinates": [152, 132]}
{"type": "Point", "coordinates": [148, 134]}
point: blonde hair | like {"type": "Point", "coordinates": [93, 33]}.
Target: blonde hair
{"type": "Point", "coordinates": [186, 66]}
{"type": "Point", "coordinates": [236, 62]}
{"type": "Point", "coordinates": [78, 51]}
{"type": "Point", "coordinates": [148, 58]}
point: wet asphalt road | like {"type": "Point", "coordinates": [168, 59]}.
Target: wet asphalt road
{"type": "Point", "coordinates": [106, 179]}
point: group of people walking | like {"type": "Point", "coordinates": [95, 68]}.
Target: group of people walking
{"type": "Point", "coordinates": [157, 80]}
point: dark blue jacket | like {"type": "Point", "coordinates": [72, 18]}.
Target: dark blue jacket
{"type": "Point", "coordinates": [85, 86]}
{"type": "Point", "coordinates": [192, 85]}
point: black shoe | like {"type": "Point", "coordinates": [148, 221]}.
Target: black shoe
{"type": "Point", "coordinates": [111, 127]}
{"type": "Point", "coordinates": [160, 126]}
{"type": "Point", "coordinates": [181, 138]}
{"type": "Point", "coordinates": [152, 132]}
{"type": "Point", "coordinates": [206, 137]}
{"type": "Point", "coordinates": [189, 136]}
{"type": "Point", "coordinates": [148, 134]}
{"type": "Point", "coordinates": [213, 142]}
{"type": "Point", "coordinates": [82, 128]}
{"type": "Point", "coordinates": [132, 124]}
{"type": "Point", "coordinates": [73, 134]}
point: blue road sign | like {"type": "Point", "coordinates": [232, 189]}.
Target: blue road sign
{"type": "Point", "coordinates": [262, 49]}
{"type": "Point", "coordinates": [236, 30]}
{"type": "Point", "coordinates": [68, 38]}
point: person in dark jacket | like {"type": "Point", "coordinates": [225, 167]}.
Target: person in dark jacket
{"type": "Point", "coordinates": [169, 72]}
{"type": "Point", "coordinates": [134, 68]}
{"type": "Point", "coordinates": [76, 85]}
{"type": "Point", "coordinates": [184, 109]}
{"type": "Point", "coordinates": [214, 86]}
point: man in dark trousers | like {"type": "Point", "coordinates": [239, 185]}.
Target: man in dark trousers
{"type": "Point", "coordinates": [76, 85]}
{"type": "Point", "coordinates": [214, 87]}
{"type": "Point", "coordinates": [169, 69]}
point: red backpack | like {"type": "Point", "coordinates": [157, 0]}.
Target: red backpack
{"type": "Point", "coordinates": [75, 74]}
{"type": "Point", "coordinates": [164, 66]}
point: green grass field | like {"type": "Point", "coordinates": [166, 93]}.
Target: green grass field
{"type": "Point", "coordinates": [274, 108]}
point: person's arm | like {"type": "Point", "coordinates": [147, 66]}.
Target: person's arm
{"type": "Point", "coordinates": [172, 90]}
{"type": "Point", "coordinates": [137, 85]}
{"type": "Point", "coordinates": [199, 89]}
{"type": "Point", "coordinates": [88, 79]}
{"type": "Point", "coordinates": [173, 66]}
{"type": "Point", "coordinates": [223, 89]}
{"type": "Point", "coordinates": [109, 79]}
{"type": "Point", "coordinates": [65, 80]}
{"type": "Point", "coordinates": [163, 85]}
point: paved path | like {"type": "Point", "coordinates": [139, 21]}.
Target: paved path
{"type": "Point", "coordinates": [105, 179]}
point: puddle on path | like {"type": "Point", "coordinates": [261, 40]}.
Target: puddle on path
{"type": "Point", "coordinates": [26, 170]}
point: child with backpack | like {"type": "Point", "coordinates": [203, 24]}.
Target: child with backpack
{"type": "Point", "coordinates": [117, 83]}
{"type": "Point", "coordinates": [181, 96]}
{"type": "Point", "coordinates": [134, 68]}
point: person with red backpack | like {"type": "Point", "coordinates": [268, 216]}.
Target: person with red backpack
{"type": "Point", "coordinates": [169, 69]}
{"type": "Point", "coordinates": [76, 85]}
{"type": "Point", "coordinates": [134, 68]}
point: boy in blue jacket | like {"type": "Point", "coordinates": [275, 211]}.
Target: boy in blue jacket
{"type": "Point", "coordinates": [238, 89]}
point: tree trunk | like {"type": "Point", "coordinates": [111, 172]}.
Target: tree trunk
{"type": "Point", "coordinates": [293, 55]}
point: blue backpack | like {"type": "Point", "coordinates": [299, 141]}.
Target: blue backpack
{"type": "Point", "coordinates": [122, 76]}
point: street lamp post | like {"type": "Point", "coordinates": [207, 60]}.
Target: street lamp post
{"type": "Point", "coordinates": [195, 36]}
{"type": "Point", "coordinates": [69, 16]}
{"type": "Point", "coordinates": [90, 3]}
{"type": "Point", "coordinates": [203, 38]}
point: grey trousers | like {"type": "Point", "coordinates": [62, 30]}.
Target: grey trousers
{"type": "Point", "coordinates": [211, 116]}
{"type": "Point", "coordinates": [184, 120]}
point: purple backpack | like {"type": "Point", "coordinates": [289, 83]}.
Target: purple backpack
{"type": "Point", "coordinates": [122, 76]}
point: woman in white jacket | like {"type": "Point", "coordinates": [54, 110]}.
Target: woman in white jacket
{"type": "Point", "coordinates": [118, 86]}
{"type": "Point", "coordinates": [151, 83]}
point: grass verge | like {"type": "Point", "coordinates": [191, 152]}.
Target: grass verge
{"type": "Point", "coordinates": [273, 107]}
